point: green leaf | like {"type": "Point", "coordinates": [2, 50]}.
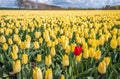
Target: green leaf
{"type": "Point", "coordinates": [89, 77]}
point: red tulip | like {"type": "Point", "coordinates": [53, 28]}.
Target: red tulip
{"type": "Point", "coordinates": [77, 50]}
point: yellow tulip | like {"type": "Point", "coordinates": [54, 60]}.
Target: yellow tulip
{"type": "Point", "coordinates": [41, 40]}
{"type": "Point", "coordinates": [37, 73]}
{"type": "Point", "coordinates": [37, 34]}
{"type": "Point", "coordinates": [102, 67]}
{"type": "Point", "coordinates": [107, 60]}
{"type": "Point", "coordinates": [16, 37]}
{"type": "Point", "coordinates": [5, 46]}
{"type": "Point", "coordinates": [10, 41]}
{"type": "Point", "coordinates": [65, 60]}
{"type": "Point", "coordinates": [1, 30]}
{"type": "Point", "coordinates": [28, 37]}
{"type": "Point", "coordinates": [97, 54]}
{"type": "Point", "coordinates": [2, 39]}
{"type": "Point", "coordinates": [91, 52]}
{"type": "Point", "coordinates": [85, 53]}
{"type": "Point", "coordinates": [48, 60]}
{"type": "Point", "coordinates": [48, 74]}
{"type": "Point", "coordinates": [118, 41]}
{"type": "Point", "coordinates": [16, 66]}
{"type": "Point", "coordinates": [38, 58]}
{"type": "Point", "coordinates": [36, 45]}
{"type": "Point", "coordinates": [85, 45]}
{"type": "Point", "coordinates": [22, 45]}
{"type": "Point", "coordinates": [49, 43]}
{"type": "Point", "coordinates": [15, 48]}
{"type": "Point", "coordinates": [62, 77]}
{"type": "Point", "coordinates": [113, 43]}
{"type": "Point", "coordinates": [52, 52]}
{"type": "Point", "coordinates": [14, 55]}
{"type": "Point", "coordinates": [27, 44]}
{"type": "Point", "coordinates": [73, 46]}
{"type": "Point", "coordinates": [24, 58]}
{"type": "Point", "coordinates": [78, 58]}
{"type": "Point", "coordinates": [68, 49]}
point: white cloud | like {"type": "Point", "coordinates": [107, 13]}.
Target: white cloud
{"type": "Point", "coordinates": [43, 1]}
{"type": "Point", "coordinates": [68, 3]}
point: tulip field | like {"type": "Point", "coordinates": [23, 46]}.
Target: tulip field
{"type": "Point", "coordinates": [60, 44]}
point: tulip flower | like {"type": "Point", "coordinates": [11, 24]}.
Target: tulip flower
{"type": "Point", "coordinates": [85, 53]}
{"type": "Point", "coordinates": [5, 46]}
{"type": "Point", "coordinates": [38, 58]}
{"type": "Point", "coordinates": [107, 60]}
{"type": "Point", "coordinates": [36, 45]}
{"type": "Point", "coordinates": [48, 74]}
{"type": "Point", "coordinates": [24, 58]}
{"type": "Point", "coordinates": [14, 55]}
{"type": "Point", "coordinates": [10, 41]}
{"type": "Point", "coordinates": [78, 58]}
{"type": "Point", "coordinates": [15, 48]}
{"type": "Point", "coordinates": [16, 66]}
{"type": "Point", "coordinates": [22, 45]}
{"type": "Point", "coordinates": [65, 60]}
{"type": "Point", "coordinates": [102, 67]}
{"type": "Point", "coordinates": [62, 77]}
{"type": "Point", "coordinates": [48, 60]}
{"type": "Point", "coordinates": [2, 39]}
{"type": "Point", "coordinates": [37, 73]}
{"type": "Point", "coordinates": [37, 34]}
{"type": "Point", "coordinates": [68, 49]}
{"type": "Point", "coordinates": [52, 52]}
{"type": "Point", "coordinates": [113, 43]}
{"type": "Point", "coordinates": [77, 50]}
{"type": "Point", "coordinates": [98, 54]}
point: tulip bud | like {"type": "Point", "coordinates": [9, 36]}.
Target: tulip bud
{"type": "Point", "coordinates": [38, 58]}
{"type": "Point", "coordinates": [78, 58]}
{"type": "Point", "coordinates": [52, 52]}
{"type": "Point", "coordinates": [15, 48]}
{"type": "Point", "coordinates": [85, 46]}
{"type": "Point", "coordinates": [5, 46]}
{"type": "Point", "coordinates": [24, 58]}
{"type": "Point", "coordinates": [65, 60]}
{"type": "Point", "coordinates": [62, 77]}
{"type": "Point", "coordinates": [37, 34]}
{"type": "Point", "coordinates": [2, 39]}
{"type": "Point", "coordinates": [85, 53]}
{"type": "Point", "coordinates": [107, 60]}
{"type": "Point", "coordinates": [49, 43]}
{"type": "Point", "coordinates": [113, 43]}
{"type": "Point", "coordinates": [36, 45]}
{"type": "Point", "coordinates": [48, 74]}
{"type": "Point", "coordinates": [48, 60]}
{"type": "Point", "coordinates": [14, 55]}
{"type": "Point", "coordinates": [91, 52]}
{"type": "Point", "coordinates": [118, 41]}
{"type": "Point", "coordinates": [37, 73]}
{"type": "Point", "coordinates": [28, 37]}
{"type": "Point", "coordinates": [97, 54]}
{"type": "Point", "coordinates": [73, 46]}
{"type": "Point", "coordinates": [41, 40]}
{"type": "Point", "coordinates": [102, 67]}
{"type": "Point", "coordinates": [16, 66]}
{"type": "Point", "coordinates": [68, 49]}
{"type": "Point", "coordinates": [10, 41]}
{"type": "Point", "coordinates": [22, 46]}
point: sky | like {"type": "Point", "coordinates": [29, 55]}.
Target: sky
{"type": "Point", "coordinates": [68, 3]}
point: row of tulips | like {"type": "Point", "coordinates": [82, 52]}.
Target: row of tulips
{"type": "Point", "coordinates": [60, 47]}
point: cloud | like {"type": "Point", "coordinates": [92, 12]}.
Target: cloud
{"type": "Point", "coordinates": [68, 3]}
{"type": "Point", "coordinates": [7, 3]}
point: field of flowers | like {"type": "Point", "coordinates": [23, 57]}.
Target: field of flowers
{"type": "Point", "coordinates": [59, 44]}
